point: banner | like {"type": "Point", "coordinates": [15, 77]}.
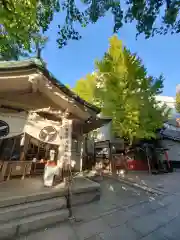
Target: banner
{"type": "Point", "coordinates": [12, 124]}
{"type": "Point", "coordinates": [45, 130]}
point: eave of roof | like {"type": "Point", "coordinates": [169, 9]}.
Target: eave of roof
{"type": "Point", "coordinates": [96, 123]}
{"type": "Point", "coordinates": [38, 64]}
{"type": "Point", "coordinates": [164, 137]}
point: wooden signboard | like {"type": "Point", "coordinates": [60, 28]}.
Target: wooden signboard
{"type": "Point", "coordinates": [67, 140]}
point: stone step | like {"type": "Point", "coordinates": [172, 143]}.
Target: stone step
{"type": "Point", "coordinates": [85, 197]}
{"type": "Point", "coordinates": [26, 225]}
{"type": "Point", "coordinates": [33, 208]}
{"type": "Point", "coordinates": [21, 214]}
{"type": "Point", "coordinates": [16, 200]}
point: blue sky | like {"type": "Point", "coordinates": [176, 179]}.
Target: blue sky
{"type": "Point", "coordinates": [159, 54]}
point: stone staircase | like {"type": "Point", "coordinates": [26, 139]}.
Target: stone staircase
{"type": "Point", "coordinates": [23, 214]}
{"type": "Point", "coordinates": [22, 218]}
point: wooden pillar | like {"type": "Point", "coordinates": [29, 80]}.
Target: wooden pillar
{"type": "Point", "coordinates": [22, 155]}
{"type": "Point", "coordinates": [24, 146]}
{"type": "Point", "coordinates": [46, 151]}
{"type": "Point", "coordinates": [1, 141]}
{"type": "Point", "coordinates": [81, 154]}
{"type": "Point", "coordinates": [13, 147]}
{"type": "Point", "coordinates": [110, 158]}
{"type": "Point", "coordinates": [37, 154]}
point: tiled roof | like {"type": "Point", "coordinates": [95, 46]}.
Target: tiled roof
{"type": "Point", "coordinates": [19, 64]}
{"type": "Point", "coordinates": [37, 63]}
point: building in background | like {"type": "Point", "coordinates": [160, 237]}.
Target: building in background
{"type": "Point", "coordinates": [170, 132]}
{"type": "Point", "coordinates": [178, 88]}
{"type": "Point", "coordinates": [169, 101]}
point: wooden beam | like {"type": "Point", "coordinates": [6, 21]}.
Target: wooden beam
{"type": "Point", "coordinates": [27, 101]}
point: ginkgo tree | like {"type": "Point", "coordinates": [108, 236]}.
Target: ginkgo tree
{"type": "Point", "coordinates": [125, 92]}
{"type": "Point", "coordinates": [86, 88]}
{"type": "Point", "coordinates": [178, 102]}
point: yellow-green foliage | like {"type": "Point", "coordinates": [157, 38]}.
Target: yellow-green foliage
{"type": "Point", "coordinates": [178, 102]}
{"type": "Point", "coordinates": [126, 93]}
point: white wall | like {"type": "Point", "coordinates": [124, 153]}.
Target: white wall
{"type": "Point", "coordinates": [169, 101]}
{"type": "Point", "coordinates": [104, 133]}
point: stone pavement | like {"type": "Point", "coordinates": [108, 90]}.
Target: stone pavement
{"type": "Point", "coordinates": [165, 183]}
{"type": "Point", "coordinates": [122, 213]}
